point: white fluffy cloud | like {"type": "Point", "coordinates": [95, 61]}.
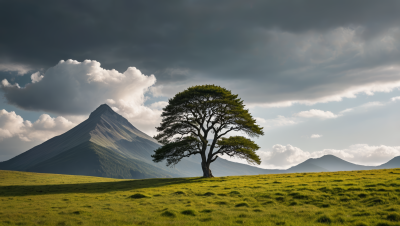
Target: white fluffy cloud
{"type": "Point", "coordinates": [315, 136]}
{"type": "Point", "coordinates": [314, 113]}
{"type": "Point", "coordinates": [14, 126]}
{"type": "Point", "coordinates": [36, 77]}
{"type": "Point", "coordinates": [282, 157]}
{"type": "Point", "coordinates": [18, 135]}
{"type": "Point", "coordinates": [78, 88]}
{"type": "Point", "coordinates": [10, 124]}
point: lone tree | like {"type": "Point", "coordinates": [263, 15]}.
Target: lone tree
{"type": "Point", "coordinates": [200, 117]}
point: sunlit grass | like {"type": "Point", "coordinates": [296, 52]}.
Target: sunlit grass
{"type": "Point", "coordinates": [338, 198]}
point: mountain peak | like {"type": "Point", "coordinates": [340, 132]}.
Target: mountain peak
{"type": "Point", "coordinates": [328, 156]}
{"type": "Point", "coordinates": [102, 109]}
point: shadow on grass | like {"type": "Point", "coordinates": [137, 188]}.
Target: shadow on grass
{"type": "Point", "coordinates": [100, 187]}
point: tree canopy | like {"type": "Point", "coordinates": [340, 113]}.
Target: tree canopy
{"type": "Point", "coordinates": [197, 121]}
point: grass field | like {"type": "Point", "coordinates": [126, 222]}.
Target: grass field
{"type": "Point", "coordinates": [337, 198]}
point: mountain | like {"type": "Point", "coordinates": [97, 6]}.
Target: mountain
{"type": "Point", "coordinates": [105, 144]}
{"type": "Point", "coordinates": [326, 163]}
{"type": "Point", "coordinates": [108, 145]}
{"type": "Point", "coordinates": [393, 163]}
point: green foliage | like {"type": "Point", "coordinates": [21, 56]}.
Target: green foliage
{"type": "Point", "coordinates": [173, 152]}
{"type": "Point", "coordinates": [198, 114]}
{"type": "Point", "coordinates": [240, 147]}
{"type": "Point", "coordinates": [50, 199]}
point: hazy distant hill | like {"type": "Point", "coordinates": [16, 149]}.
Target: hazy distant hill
{"type": "Point", "coordinates": [108, 145]}
{"type": "Point", "coordinates": [326, 163]}
{"type": "Point", "coordinates": [393, 163]}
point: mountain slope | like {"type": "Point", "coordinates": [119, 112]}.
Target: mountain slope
{"type": "Point", "coordinates": [393, 163]}
{"type": "Point", "coordinates": [91, 159]}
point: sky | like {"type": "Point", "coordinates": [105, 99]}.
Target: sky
{"type": "Point", "coordinates": [321, 77]}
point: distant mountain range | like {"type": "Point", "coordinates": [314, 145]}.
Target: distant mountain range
{"type": "Point", "coordinates": [107, 145]}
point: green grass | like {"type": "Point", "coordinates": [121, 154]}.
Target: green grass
{"type": "Point", "coordinates": [338, 198]}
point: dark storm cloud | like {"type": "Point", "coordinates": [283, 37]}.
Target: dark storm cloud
{"type": "Point", "coordinates": [160, 34]}
{"type": "Point", "coordinates": [256, 42]}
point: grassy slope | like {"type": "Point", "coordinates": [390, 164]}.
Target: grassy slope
{"type": "Point", "coordinates": [343, 198]}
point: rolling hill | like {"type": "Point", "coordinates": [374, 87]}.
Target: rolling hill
{"type": "Point", "coordinates": [326, 163]}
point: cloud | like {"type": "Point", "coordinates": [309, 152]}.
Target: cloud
{"type": "Point", "coordinates": [325, 67]}
{"type": "Point", "coordinates": [337, 95]}
{"type": "Point", "coordinates": [285, 156]}
{"type": "Point", "coordinates": [21, 69]}
{"type": "Point", "coordinates": [363, 107]}
{"type": "Point", "coordinates": [10, 124]}
{"type": "Point", "coordinates": [36, 77]}
{"type": "Point", "coordinates": [372, 104]}
{"type": "Point", "coordinates": [77, 88]}
{"type": "Point", "coordinates": [14, 126]}
{"type": "Point", "coordinates": [18, 135]}
{"type": "Point", "coordinates": [315, 113]}
{"type": "Point", "coordinates": [73, 87]}
{"type": "Point", "coordinates": [395, 98]}
{"type": "Point", "coordinates": [6, 84]}
{"type": "Point", "coordinates": [286, 60]}
{"type": "Point", "coordinates": [277, 122]}
{"type": "Point", "coordinates": [347, 110]}
{"type": "Point", "coordinates": [282, 157]}
{"type": "Point", "coordinates": [159, 105]}
{"type": "Point", "coordinates": [281, 120]}
{"type": "Point", "coordinates": [315, 136]}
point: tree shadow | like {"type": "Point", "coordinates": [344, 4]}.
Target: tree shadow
{"type": "Point", "coordinates": [100, 187]}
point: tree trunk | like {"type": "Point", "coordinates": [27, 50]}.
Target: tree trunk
{"type": "Point", "coordinates": [206, 170]}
